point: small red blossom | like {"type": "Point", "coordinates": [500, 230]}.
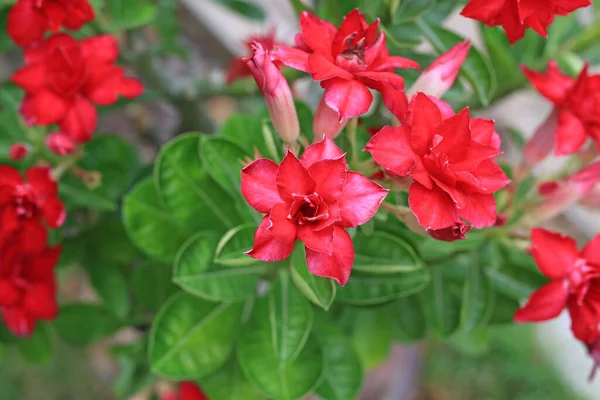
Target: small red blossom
{"type": "Point", "coordinates": [64, 78]}
{"type": "Point", "coordinates": [439, 77]}
{"type": "Point", "coordinates": [277, 94]}
{"type": "Point", "coordinates": [60, 144]}
{"type": "Point", "coordinates": [27, 287]}
{"type": "Point", "coordinates": [517, 15]}
{"type": "Point", "coordinates": [574, 283]}
{"type": "Point", "coordinates": [347, 61]}
{"type": "Point", "coordinates": [576, 116]}
{"type": "Point", "coordinates": [238, 69]}
{"type": "Point", "coordinates": [312, 199]}
{"type": "Point", "coordinates": [451, 163]}
{"type": "Point", "coordinates": [18, 151]}
{"type": "Point", "coordinates": [453, 233]}
{"type": "Point", "coordinates": [24, 204]}
{"type": "Point", "coordinates": [186, 390]}
{"type": "Point", "coordinates": [29, 20]}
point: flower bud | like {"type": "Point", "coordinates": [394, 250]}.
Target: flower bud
{"type": "Point", "coordinates": [18, 151]}
{"type": "Point", "coordinates": [452, 233]}
{"type": "Point", "coordinates": [277, 94]}
{"type": "Point", "coordinates": [439, 77]}
{"type": "Point", "coordinates": [60, 144]}
{"type": "Point", "coordinates": [542, 141]}
{"type": "Point", "coordinates": [327, 122]}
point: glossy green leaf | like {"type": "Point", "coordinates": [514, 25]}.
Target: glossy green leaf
{"type": "Point", "coordinates": [130, 14]}
{"type": "Point", "coordinates": [372, 335]}
{"type": "Point", "coordinates": [232, 246]}
{"type": "Point", "coordinates": [223, 159]}
{"type": "Point", "coordinates": [275, 350]}
{"type": "Point", "coordinates": [196, 273]}
{"type": "Point", "coordinates": [409, 10]}
{"type": "Point", "coordinates": [478, 298]}
{"type": "Point", "coordinates": [367, 289]}
{"type": "Point", "coordinates": [245, 8]}
{"type": "Point", "coordinates": [229, 383]}
{"type": "Point", "coordinates": [193, 198]}
{"type": "Point", "coordinates": [108, 240]}
{"type": "Point", "coordinates": [110, 284]}
{"type": "Point", "coordinates": [343, 374]}
{"type": "Point", "coordinates": [150, 226]}
{"type": "Point", "coordinates": [476, 69]}
{"type": "Point", "coordinates": [151, 285]}
{"type": "Point", "coordinates": [504, 310]}
{"type": "Point", "coordinates": [82, 323]}
{"type": "Point", "coordinates": [383, 253]}
{"type": "Point", "coordinates": [191, 337]}
{"type": "Point", "coordinates": [408, 318]}
{"type": "Point", "coordinates": [11, 124]}
{"type": "Point", "coordinates": [320, 291]}
{"type": "Point", "coordinates": [38, 347]}
{"type": "Point", "coordinates": [441, 303]}
{"type": "Point", "coordinates": [246, 132]}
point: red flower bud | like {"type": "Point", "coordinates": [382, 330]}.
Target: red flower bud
{"type": "Point", "coordinates": [277, 93]}
{"type": "Point", "coordinates": [453, 233]}
{"type": "Point", "coordinates": [18, 151]}
{"type": "Point", "coordinates": [326, 122]}
{"type": "Point", "coordinates": [60, 144]}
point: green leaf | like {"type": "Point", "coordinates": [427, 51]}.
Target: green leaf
{"type": "Point", "coordinates": [343, 374]}
{"type": "Point", "coordinates": [151, 285]}
{"type": "Point", "coordinates": [130, 14]}
{"type": "Point", "coordinates": [246, 132]}
{"type": "Point", "coordinates": [305, 117]}
{"type": "Point", "coordinates": [6, 42]}
{"type": "Point", "coordinates": [11, 124]}
{"type": "Point", "coordinates": [409, 10]}
{"type": "Point", "coordinates": [150, 226]}
{"type": "Point", "coordinates": [223, 159]}
{"type": "Point", "coordinates": [189, 193]}
{"type": "Point", "coordinates": [275, 351]}
{"type": "Point", "coordinates": [476, 69]}
{"type": "Point", "coordinates": [232, 246]}
{"type": "Point", "coordinates": [38, 347]}
{"type": "Point", "coordinates": [383, 253]}
{"type": "Point", "coordinates": [504, 310]}
{"type": "Point", "coordinates": [478, 299]}
{"type": "Point", "coordinates": [441, 306]}
{"type": "Point", "coordinates": [229, 383]}
{"type": "Point", "coordinates": [196, 273]}
{"type": "Point", "coordinates": [191, 337]}
{"type": "Point", "coordinates": [109, 282]}
{"type": "Point", "coordinates": [409, 322]}
{"type": "Point", "coordinates": [245, 8]}
{"type": "Point", "coordinates": [372, 336]}
{"type": "Point", "coordinates": [367, 289]}
{"type": "Point", "coordinates": [82, 323]}
{"type": "Point", "coordinates": [108, 240]}
{"type": "Point", "coordinates": [320, 291]}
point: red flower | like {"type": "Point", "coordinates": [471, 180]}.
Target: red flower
{"type": "Point", "coordinates": [451, 162]}
{"type": "Point", "coordinates": [517, 15]}
{"type": "Point", "coordinates": [18, 151]}
{"type": "Point", "coordinates": [28, 20]}
{"type": "Point", "coordinates": [23, 206]}
{"type": "Point", "coordinates": [277, 94]}
{"type": "Point", "coordinates": [575, 282]}
{"type": "Point", "coordinates": [238, 68]}
{"type": "Point", "coordinates": [348, 61]}
{"type": "Point", "coordinates": [27, 287]}
{"type": "Point", "coordinates": [63, 77]}
{"type": "Point", "coordinates": [312, 199]}
{"type": "Point", "coordinates": [576, 116]}
{"type": "Point", "coordinates": [453, 233]}
{"type": "Point", "coordinates": [185, 391]}
{"type": "Point", "coordinates": [60, 144]}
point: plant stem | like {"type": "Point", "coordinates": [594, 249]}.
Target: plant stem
{"type": "Point", "coordinates": [351, 131]}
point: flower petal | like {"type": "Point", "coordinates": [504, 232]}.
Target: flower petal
{"type": "Point", "coordinates": [30, 78]}
{"type": "Point", "coordinates": [433, 207]}
{"type": "Point", "coordinates": [330, 177]}
{"type": "Point", "coordinates": [281, 226]}
{"type": "Point", "coordinates": [554, 253]}
{"type": "Point", "coordinates": [80, 120]}
{"type": "Point", "coordinates": [18, 321]}
{"type": "Point", "coordinates": [553, 85]}
{"type": "Point", "coordinates": [325, 149]}
{"type": "Point", "coordinates": [359, 200]}
{"type": "Point", "coordinates": [456, 136]}
{"type": "Point", "coordinates": [292, 57]}
{"type": "Point", "coordinates": [41, 179]}
{"type": "Point", "coordinates": [10, 176]}
{"type": "Point", "coordinates": [425, 116]}
{"type": "Point", "coordinates": [41, 267]}
{"type": "Point", "coordinates": [293, 178]}
{"type": "Point", "coordinates": [40, 300]}
{"type": "Point", "coordinates": [348, 98]}
{"type": "Point", "coordinates": [259, 185]}
{"type": "Point", "coordinates": [570, 134]}
{"type": "Point", "coordinates": [322, 69]}
{"type": "Point", "coordinates": [480, 210]}
{"type": "Point", "coordinates": [317, 34]}
{"type": "Point", "coordinates": [317, 240]}
{"type": "Point", "coordinates": [337, 265]}
{"type": "Point", "coordinates": [545, 303]}
{"type": "Point", "coordinates": [591, 252]}
{"type": "Point", "coordinates": [391, 149]}
{"type": "Point", "coordinates": [43, 108]}
{"type": "Point", "coordinates": [54, 212]}
{"type": "Point", "coordinates": [267, 247]}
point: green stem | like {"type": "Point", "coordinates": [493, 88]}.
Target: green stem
{"type": "Point", "coordinates": [351, 131]}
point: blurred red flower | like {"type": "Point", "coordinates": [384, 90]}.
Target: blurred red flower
{"type": "Point", "coordinates": [238, 69]}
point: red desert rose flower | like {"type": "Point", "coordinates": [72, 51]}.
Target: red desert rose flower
{"type": "Point", "coordinates": [312, 199]}
{"type": "Point", "coordinates": [27, 287]}
{"type": "Point", "coordinates": [517, 15]}
{"type": "Point", "coordinates": [24, 204]}
{"type": "Point", "coordinates": [238, 69]}
{"type": "Point", "coordinates": [18, 151]}
{"type": "Point", "coordinates": [575, 283]}
{"type": "Point", "coordinates": [576, 115]}
{"type": "Point", "coordinates": [347, 61]}
{"type": "Point", "coordinates": [63, 78]}
{"type": "Point", "coordinates": [451, 162]}
{"type": "Point", "coordinates": [28, 20]}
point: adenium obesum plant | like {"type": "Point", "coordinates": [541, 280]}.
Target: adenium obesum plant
{"type": "Point", "coordinates": [246, 263]}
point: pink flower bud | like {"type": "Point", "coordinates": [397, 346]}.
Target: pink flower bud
{"type": "Point", "coordinates": [542, 142]}
{"type": "Point", "coordinates": [277, 94]}
{"type": "Point", "coordinates": [18, 151]}
{"type": "Point", "coordinates": [327, 122]}
{"type": "Point", "coordinates": [441, 74]}
{"type": "Point", "coordinates": [453, 233]}
{"type": "Point", "coordinates": [60, 144]}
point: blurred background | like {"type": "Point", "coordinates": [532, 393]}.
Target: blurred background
{"type": "Point", "coordinates": [184, 56]}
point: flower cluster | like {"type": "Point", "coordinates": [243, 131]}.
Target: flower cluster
{"type": "Point", "coordinates": [65, 78]}
{"type": "Point", "coordinates": [27, 284]}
